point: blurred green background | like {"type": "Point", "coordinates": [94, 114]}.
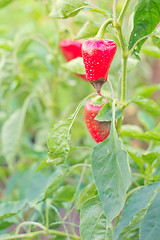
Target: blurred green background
{"type": "Point", "coordinates": [36, 91]}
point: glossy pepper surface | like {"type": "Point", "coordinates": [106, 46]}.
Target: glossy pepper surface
{"type": "Point", "coordinates": [97, 57]}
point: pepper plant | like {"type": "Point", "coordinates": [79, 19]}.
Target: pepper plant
{"type": "Point", "coordinates": [82, 189]}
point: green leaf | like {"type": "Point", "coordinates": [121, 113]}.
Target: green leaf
{"type": "Point", "coordinates": [92, 220]}
{"type": "Point", "coordinates": [138, 201]}
{"type": "Point", "coordinates": [65, 193]}
{"type": "Point", "coordinates": [58, 142]}
{"type": "Point", "coordinates": [151, 50]}
{"type": "Point", "coordinates": [105, 114]}
{"type": "Point", "coordinates": [138, 160]}
{"type": "Point", "coordinates": [146, 18]}
{"type": "Point", "coordinates": [50, 160]}
{"type": "Point", "coordinates": [88, 30]}
{"type": "Point", "coordinates": [67, 8]}
{"type": "Point", "coordinates": [150, 225]}
{"type": "Point", "coordinates": [55, 180]}
{"type": "Point", "coordinates": [11, 132]}
{"type": "Point", "coordinates": [148, 105]}
{"type": "Point", "coordinates": [37, 186]}
{"type": "Point", "coordinates": [149, 135]}
{"type": "Point", "coordinates": [76, 65]}
{"type": "Point", "coordinates": [8, 209]}
{"type": "Point", "coordinates": [88, 192]}
{"type": "Point", "coordinates": [150, 157]}
{"type": "Point", "coordinates": [134, 223]}
{"type": "Point", "coordinates": [130, 130]}
{"type": "Point", "coordinates": [110, 166]}
{"type": "Point", "coordinates": [3, 3]}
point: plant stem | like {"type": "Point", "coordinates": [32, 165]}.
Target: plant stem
{"type": "Point", "coordinates": [114, 11]}
{"type": "Point", "coordinates": [78, 108]}
{"type": "Point", "coordinates": [45, 231]}
{"type": "Point", "coordinates": [124, 80]}
{"type": "Point", "coordinates": [125, 54]}
{"type": "Point", "coordinates": [121, 16]}
{"type": "Point", "coordinates": [119, 124]}
{"type": "Point", "coordinates": [102, 29]}
{"type": "Point", "coordinates": [33, 234]}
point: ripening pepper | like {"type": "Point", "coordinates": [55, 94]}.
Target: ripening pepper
{"type": "Point", "coordinates": [98, 130]}
{"type": "Point", "coordinates": [71, 50]}
{"type": "Point", "coordinates": [97, 57]}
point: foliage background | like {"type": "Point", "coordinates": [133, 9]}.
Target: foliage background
{"type": "Point", "coordinates": [36, 91]}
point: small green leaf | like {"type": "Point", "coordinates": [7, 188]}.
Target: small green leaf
{"type": "Point", "coordinates": [88, 30]}
{"type": "Point", "coordinates": [55, 180]}
{"type": "Point", "coordinates": [92, 220]}
{"type": "Point", "coordinates": [126, 130]}
{"type": "Point", "coordinates": [88, 192]}
{"type": "Point", "coordinates": [64, 194]}
{"type": "Point", "coordinates": [58, 142]}
{"type": "Point", "coordinates": [8, 209]}
{"type": "Point", "coordinates": [105, 114]}
{"type": "Point", "coordinates": [130, 130]}
{"type": "Point", "coordinates": [148, 105]}
{"type": "Point", "coordinates": [150, 157]}
{"type": "Point", "coordinates": [138, 201]}
{"type": "Point", "coordinates": [76, 65]}
{"type": "Point", "coordinates": [67, 8]}
{"type": "Point", "coordinates": [50, 160]}
{"type": "Point", "coordinates": [110, 166]}
{"type": "Point", "coordinates": [138, 160]}
{"type": "Point", "coordinates": [150, 225]}
{"type": "Point", "coordinates": [146, 18]}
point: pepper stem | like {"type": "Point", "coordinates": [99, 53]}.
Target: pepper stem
{"type": "Point", "coordinates": [102, 29]}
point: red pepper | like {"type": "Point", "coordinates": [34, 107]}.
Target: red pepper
{"type": "Point", "coordinates": [97, 56]}
{"type": "Point", "coordinates": [71, 50]}
{"type": "Point", "coordinates": [98, 130]}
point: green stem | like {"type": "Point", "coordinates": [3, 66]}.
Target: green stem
{"type": "Point", "coordinates": [124, 80]}
{"type": "Point", "coordinates": [29, 223]}
{"type": "Point", "coordinates": [119, 124]}
{"type": "Point", "coordinates": [114, 11]}
{"type": "Point", "coordinates": [102, 29]}
{"type": "Point", "coordinates": [125, 54]}
{"type": "Point", "coordinates": [33, 234]}
{"type": "Point", "coordinates": [121, 16]}
{"type": "Point", "coordinates": [78, 108]}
